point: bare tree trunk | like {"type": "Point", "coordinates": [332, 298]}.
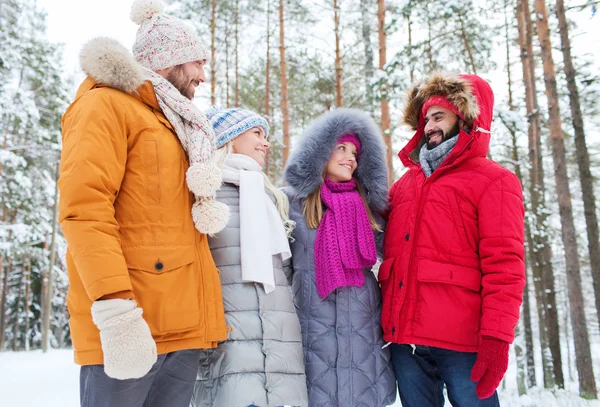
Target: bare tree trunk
{"type": "Point", "coordinates": [237, 59]}
{"type": "Point", "coordinates": [583, 158]}
{"type": "Point", "coordinates": [463, 35]}
{"type": "Point", "coordinates": [432, 64]}
{"type": "Point", "coordinates": [268, 82]}
{"type": "Point", "coordinates": [7, 272]}
{"type": "Point", "coordinates": [568, 342]}
{"type": "Point", "coordinates": [523, 358]}
{"type": "Point", "coordinates": [27, 302]}
{"type": "Point", "coordinates": [227, 84]}
{"type": "Point", "coordinates": [20, 282]}
{"type": "Point", "coordinates": [284, 87]}
{"type": "Point", "coordinates": [410, 61]}
{"type": "Point", "coordinates": [583, 357]}
{"type": "Point", "coordinates": [538, 242]}
{"type": "Point", "coordinates": [47, 305]}
{"type": "Point", "coordinates": [366, 34]}
{"type": "Point", "coordinates": [385, 106]}
{"type": "Point", "coordinates": [213, 62]}
{"type": "Point", "coordinates": [338, 59]}
{"type": "Point", "coordinates": [526, 311]}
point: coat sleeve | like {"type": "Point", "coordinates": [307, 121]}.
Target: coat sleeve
{"type": "Point", "coordinates": [93, 161]}
{"type": "Point", "coordinates": [501, 253]}
{"type": "Point", "coordinates": [386, 215]}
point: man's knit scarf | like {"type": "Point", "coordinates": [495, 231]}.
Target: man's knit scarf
{"type": "Point", "coordinates": [431, 159]}
{"type": "Point", "coordinates": [345, 243]}
{"type": "Point", "coordinates": [198, 140]}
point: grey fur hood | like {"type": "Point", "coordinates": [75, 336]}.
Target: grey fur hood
{"type": "Point", "coordinates": [304, 171]}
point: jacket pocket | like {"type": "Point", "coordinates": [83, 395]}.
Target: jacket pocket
{"type": "Point", "coordinates": [449, 302]}
{"type": "Point", "coordinates": [165, 284]}
{"type": "Point", "coordinates": [386, 282]}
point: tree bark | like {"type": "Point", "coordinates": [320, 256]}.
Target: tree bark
{"type": "Point", "coordinates": [583, 357]}
{"type": "Point", "coordinates": [583, 158]}
{"type": "Point", "coordinates": [385, 106]}
{"type": "Point", "coordinates": [284, 87]}
{"type": "Point", "coordinates": [366, 34]}
{"type": "Point", "coordinates": [463, 35]}
{"type": "Point", "coordinates": [338, 59]}
{"type": "Point", "coordinates": [16, 324]}
{"type": "Point", "coordinates": [432, 64]}
{"type": "Point", "coordinates": [213, 62]}
{"type": "Point", "coordinates": [7, 272]}
{"type": "Point", "coordinates": [47, 305]}
{"type": "Point", "coordinates": [27, 302]}
{"type": "Point", "coordinates": [525, 362]}
{"type": "Point", "coordinates": [268, 82]}
{"type": "Point", "coordinates": [410, 61]}
{"type": "Point", "coordinates": [227, 84]}
{"type": "Point", "coordinates": [237, 65]}
{"type": "Point", "coordinates": [538, 242]}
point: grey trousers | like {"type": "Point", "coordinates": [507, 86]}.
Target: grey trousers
{"type": "Point", "coordinates": [169, 383]}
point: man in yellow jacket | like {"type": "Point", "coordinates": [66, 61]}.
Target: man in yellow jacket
{"type": "Point", "coordinates": [136, 202]}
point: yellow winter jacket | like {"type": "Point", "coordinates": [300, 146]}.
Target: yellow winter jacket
{"type": "Point", "coordinates": [125, 211]}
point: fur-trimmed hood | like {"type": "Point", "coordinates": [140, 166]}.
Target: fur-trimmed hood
{"type": "Point", "coordinates": [473, 97]}
{"type": "Point", "coordinates": [304, 171]}
{"type": "Point", "coordinates": [457, 89]}
{"type": "Point", "coordinates": [111, 64]}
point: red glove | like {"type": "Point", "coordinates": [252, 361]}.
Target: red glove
{"type": "Point", "coordinates": [491, 364]}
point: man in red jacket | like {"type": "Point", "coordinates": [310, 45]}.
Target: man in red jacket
{"type": "Point", "coordinates": [453, 273]}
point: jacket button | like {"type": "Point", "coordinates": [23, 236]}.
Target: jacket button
{"type": "Point", "coordinates": [159, 266]}
{"type": "Point", "coordinates": [401, 284]}
{"type": "Point", "coordinates": [340, 330]}
{"type": "Point", "coordinates": [340, 294]}
{"type": "Point", "coordinates": [407, 237]}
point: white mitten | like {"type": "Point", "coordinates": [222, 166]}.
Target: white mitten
{"type": "Point", "coordinates": [127, 344]}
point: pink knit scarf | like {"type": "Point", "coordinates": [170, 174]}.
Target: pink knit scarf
{"type": "Point", "coordinates": [345, 243]}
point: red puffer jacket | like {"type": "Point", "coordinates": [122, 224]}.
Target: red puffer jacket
{"type": "Point", "coordinates": [453, 267]}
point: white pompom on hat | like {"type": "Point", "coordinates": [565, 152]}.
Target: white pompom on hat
{"type": "Point", "coordinates": [163, 41]}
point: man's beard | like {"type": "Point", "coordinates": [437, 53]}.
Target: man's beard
{"type": "Point", "coordinates": [453, 132]}
{"type": "Point", "coordinates": [178, 78]}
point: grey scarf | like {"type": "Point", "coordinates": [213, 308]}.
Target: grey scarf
{"type": "Point", "coordinates": [431, 159]}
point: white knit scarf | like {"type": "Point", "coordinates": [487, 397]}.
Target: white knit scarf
{"type": "Point", "coordinates": [262, 234]}
{"type": "Point", "coordinates": [198, 140]}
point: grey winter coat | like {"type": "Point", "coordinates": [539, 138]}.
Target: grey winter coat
{"type": "Point", "coordinates": [261, 363]}
{"type": "Point", "coordinates": [346, 364]}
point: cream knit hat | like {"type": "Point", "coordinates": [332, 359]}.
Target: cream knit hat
{"type": "Point", "coordinates": [163, 41]}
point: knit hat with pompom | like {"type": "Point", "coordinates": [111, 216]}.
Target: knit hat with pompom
{"type": "Point", "coordinates": [163, 41]}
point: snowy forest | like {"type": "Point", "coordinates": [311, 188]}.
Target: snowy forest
{"type": "Point", "coordinates": [292, 60]}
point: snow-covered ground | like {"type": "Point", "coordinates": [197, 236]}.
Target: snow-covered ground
{"type": "Point", "coordinates": [29, 379]}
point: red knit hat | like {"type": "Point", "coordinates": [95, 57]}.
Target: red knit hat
{"type": "Point", "coordinates": [439, 100]}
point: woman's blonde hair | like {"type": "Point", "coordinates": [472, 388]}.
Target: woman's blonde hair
{"type": "Point", "coordinates": [313, 208]}
{"type": "Point", "coordinates": [281, 200]}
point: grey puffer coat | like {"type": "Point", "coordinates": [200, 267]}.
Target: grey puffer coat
{"type": "Point", "coordinates": [346, 364]}
{"type": "Point", "coordinates": [261, 363]}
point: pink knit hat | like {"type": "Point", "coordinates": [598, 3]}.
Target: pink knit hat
{"type": "Point", "coordinates": [163, 41]}
{"type": "Point", "coordinates": [350, 138]}
{"type": "Point", "coordinates": [439, 100]}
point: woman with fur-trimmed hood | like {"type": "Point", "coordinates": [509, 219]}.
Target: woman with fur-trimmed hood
{"type": "Point", "coordinates": [337, 186]}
